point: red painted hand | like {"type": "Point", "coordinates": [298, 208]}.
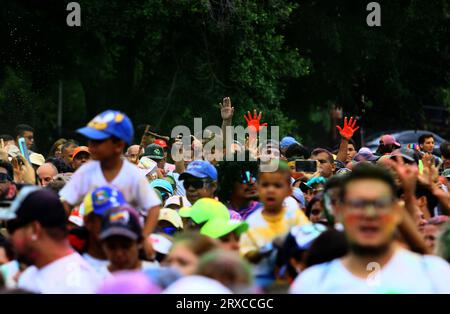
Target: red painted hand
{"type": "Point", "coordinates": [348, 129]}
{"type": "Point", "coordinates": [254, 121]}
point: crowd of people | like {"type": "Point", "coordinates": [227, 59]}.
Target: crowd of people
{"type": "Point", "coordinates": [119, 216]}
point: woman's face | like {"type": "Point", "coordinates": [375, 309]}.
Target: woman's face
{"type": "Point", "coordinates": [182, 259]}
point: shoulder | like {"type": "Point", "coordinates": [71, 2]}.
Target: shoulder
{"type": "Point", "coordinates": [311, 279]}
{"type": "Point", "coordinates": [255, 217]}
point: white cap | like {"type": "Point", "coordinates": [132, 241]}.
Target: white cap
{"type": "Point", "coordinates": [197, 285]}
{"type": "Point", "coordinates": [37, 159]}
{"type": "Point", "coordinates": [180, 201]}
{"type": "Point", "coordinates": [160, 243]}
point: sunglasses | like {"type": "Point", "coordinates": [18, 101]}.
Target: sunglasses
{"type": "Point", "coordinates": [380, 204]}
{"type": "Point", "coordinates": [196, 184]}
{"type": "Point", "coordinates": [169, 230]}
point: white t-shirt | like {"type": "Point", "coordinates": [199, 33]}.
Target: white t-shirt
{"type": "Point", "coordinates": [68, 275]}
{"type": "Point", "coordinates": [406, 272]}
{"type": "Point", "coordinates": [96, 264]}
{"type": "Point", "coordinates": [130, 181]}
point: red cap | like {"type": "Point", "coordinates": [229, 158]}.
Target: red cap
{"type": "Point", "coordinates": [161, 143]}
{"type": "Point", "coordinates": [389, 139]}
{"type": "Point", "coordinates": [80, 149]}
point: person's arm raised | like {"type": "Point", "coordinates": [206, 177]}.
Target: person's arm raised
{"type": "Point", "coordinates": [346, 133]}
{"type": "Point", "coordinates": [226, 112]}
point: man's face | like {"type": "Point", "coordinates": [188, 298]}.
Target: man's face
{"type": "Point", "coordinates": [325, 167]}
{"type": "Point", "coordinates": [105, 149]}
{"type": "Point", "coordinates": [23, 239]}
{"type": "Point", "coordinates": [351, 152]}
{"type": "Point", "coordinates": [430, 233]}
{"type": "Point", "coordinates": [80, 159]}
{"type": "Point", "coordinates": [29, 139]}
{"type": "Point", "coordinates": [316, 212]}
{"type": "Point", "coordinates": [273, 188]}
{"type": "Point", "coordinates": [4, 184]}
{"type": "Point", "coordinates": [133, 154]}
{"type": "Point", "coordinates": [197, 188]}
{"type": "Point", "coordinates": [46, 174]}
{"type": "Point", "coordinates": [420, 220]}
{"type": "Point", "coordinates": [428, 145]}
{"type": "Point", "coordinates": [369, 214]}
{"type": "Point", "coordinates": [122, 252]}
{"type": "Point", "coordinates": [246, 188]}
{"type": "Point", "coordinates": [67, 154]}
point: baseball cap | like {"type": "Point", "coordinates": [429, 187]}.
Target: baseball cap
{"type": "Point", "coordinates": [219, 227]}
{"type": "Point", "coordinates": [121, 221]}
{"type": "Point", "coordinates": [171, 216]}
{"type": "Point", "coordinates": [162, 184]}
{"type": "Point", "coordinates": [200, 169]}
{"type": "Point", "coordinates": [107, 124]}
{"type": "Point", "coordinates": [76, 216]}
{"type": "Point", "coordinates": [365, 153]}
{"type": "Point", "coordinates": [161, 143]}
{"type": "Point", "coordinates": [154, 151]}
{"type": "Point", "coordinates": [297, 193]}
{"type": "Point", "coordinates": [37, 159]}
{"type": "Point", "coordinates": [178, 200]}
{"type": "Point", "coordinates": [287, 141]}
{"type": "Point", "coordinates": [389, 139]}
{"type": "Point", "coordinates": [306, 234]}
{"type": "Point", "coordinates": [205, 209]}
{"type": "Point", "coordinates": [35, 204]}
{"type": "Point", "coordinates": [160, 243]}
{"type": "Point", "coordinates": [80, 149]}
{"type": "Point", "coordinates": [406, 153]}
{"type": "Point", "coordinates": [102, 199]}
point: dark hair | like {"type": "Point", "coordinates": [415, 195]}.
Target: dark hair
{"type": "Point", "coordinates": [328, 246]}
{"type": "Point", "coordinates": [68, 144]}
{"type": "Point", "coordinates": [314, 200]}
{"type": "Point", "coordinates": [368, 171]}
{"type": "Point", "coordinates": [351, 141]}
{"type": "Point", "coordinates": [423, 137]}
{"type": "Point", "coordinates": [9, 249]}
{"type": "Point", "coordinates": [445, 150]}
{"type": "Point", "coordinates": [8, 167]}
{"type": "Point", "coordinates": [59, 164]}
{"type": "Point", "coordinates": [432, 201]}
{"type": "Point", "coordinates": [57, 233]}
{"type": "Point", "coordinates": [229, 173]}
{"type": "Point", "coordinates": [7, 137]}
{"type": "Point", "coordinates": [318, 151]}
{"type": "Point", "coordinates": [333, 182]}
{"type": "Point", "coordinates": [296, 151]}
{"type": "Point", "coordinates": [22, 128]}
{"type": "Point", "coordinates": [55, 145]}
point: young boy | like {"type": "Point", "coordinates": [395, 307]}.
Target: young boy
{"type": "Point", "coordinates": [108, 135]}
{"type": "Point", "coordinates": [269, 225]}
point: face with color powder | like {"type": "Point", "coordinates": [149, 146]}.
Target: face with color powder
{"type": "Point", "coordinates": [369, 213]}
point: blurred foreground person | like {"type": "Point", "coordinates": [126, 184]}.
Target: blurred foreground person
{"type": "Point", "coordinates": [375, 263]}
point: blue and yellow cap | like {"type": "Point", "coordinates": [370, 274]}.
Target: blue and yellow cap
{"type": "Point", "coordinates": [102, 199]}
{"type": "Point", "coordinates": [107, 124]}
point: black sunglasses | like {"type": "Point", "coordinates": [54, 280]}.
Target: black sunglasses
{"type": "Point", "coordinates": [4, 177]}
{"type": "Point", "coordinates": [196, 184]}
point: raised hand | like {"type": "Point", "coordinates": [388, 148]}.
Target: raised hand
{"type": "Point", "coordinates": [348, 129]}
{"type": "Point", "coordinates": [226, 111]}
{"type": "Point", "coordinates": [254, 121]}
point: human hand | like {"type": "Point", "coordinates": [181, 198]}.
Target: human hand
{"type": "Point", "coordinates": [430, 173]}
{"type": "Point", "coordinates": [226, 110]}
{"type": "Point", "coordinates": [348, 129]}
{"type": "Point", "coordinates": [23, 171]}
{"type": "Point", "coordinates": [406, 173]}
{"type": "Point", "coordinates": [254, 121]}
{"type": "Point", "coordinates": [148, 248]}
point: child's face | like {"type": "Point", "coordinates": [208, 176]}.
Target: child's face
{"type": "Point", "coordinates": [105, 149]}
{"type": "Point", "coordinates": [273, 188]}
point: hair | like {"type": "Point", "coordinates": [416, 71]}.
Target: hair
{"type": "Point", "coordinates": [57, 233]}
{"type": "Point", "coordinates": [9, 168]}
{"type": "Point", "coordinates": [228, 268]}
{"type": "Point", "coordinates": [55, 145]}
{"type": "Point", "coordinates": [6, 137]}
{"type": "Point", "coordinates": [314, 200]}
{"type": "Point", "coordinates": [296, 151]}
{"type": "Point", "coordinates": [368, 171]}
{"type": "Point", "coordinates": [197, 243]}
{"type": "Point", "coordinates": [432, 201]}
{"type": "Point", "coordinates": [56, 185]}
{"type": "Point", "coordinates": [68, 144]}
{"type": "Point", "coordinates": [229, 173]}
{"type": "Point", "coordinates": [8, 247]}
{"type": "Point", "coordinates": [59, 164]}
{"type": "Point", "coordinates": [445, 150]}
{"type": "Point", "coordinates": [329, 245]}
{"type": "Point", "coordinates": [282, 168]}
{"type": "Point", "coordinates": [423, 137]}
{"type": "Point", "coordinates": [22, 128]}
{"type": "Point", "coordinates": [318, 151]}
{"type": "Point", "coordinates": [333, 182]}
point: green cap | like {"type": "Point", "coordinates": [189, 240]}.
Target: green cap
{"type": "Point", "coordinates": [154, 151]}
{"type": "Point", "coordinates": [446, 173]}
{"type": "Point", "coordinates": [219, 227]}
{"type": "Point", "coordinates": [205, 209]}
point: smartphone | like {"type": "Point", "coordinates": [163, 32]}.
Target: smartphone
{"type": "Point", "coordinates": [305, 165]}
{"type": "Point", "coordinates": [23, 148]}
